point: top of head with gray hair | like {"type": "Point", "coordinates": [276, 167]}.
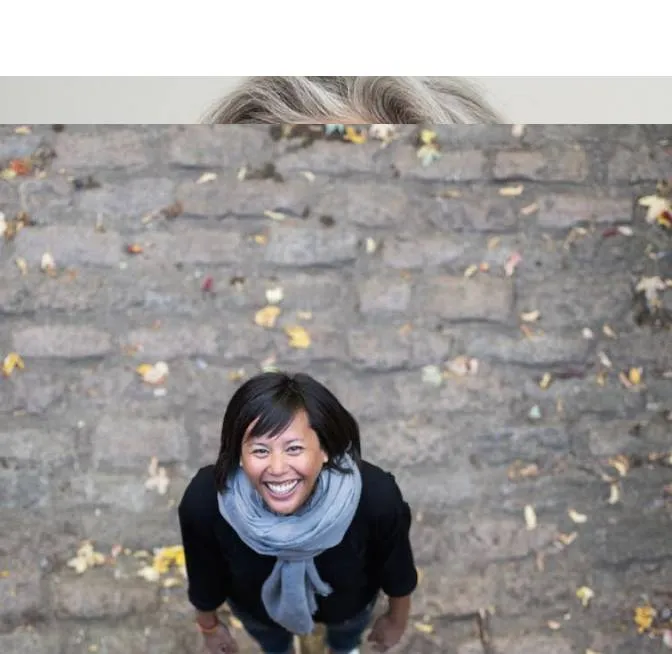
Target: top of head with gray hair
{"type": "Point", "coordinates": [390, 100]}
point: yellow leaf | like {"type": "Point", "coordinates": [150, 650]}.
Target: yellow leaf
{"type": "Point", "coordinates": [546, 381]}
{"type": "Point", "coordinates": [621, 463]}
{"type": "Point", "coordinates": [153, 374]}
{"type": "Point", "coordinates": [567, 539]}
{"type": "Point", "coordinates": [585, 594]}
{"type": "Point", "coordinates": [236, 375]}
{"type": "Point", "coordinates": [267, 316]}
{"type": "Point", "coordinates": [148, 573]}
{"type": "Point", "coordinates": [260, 239]}
{"type": "Point", "coordinates": [553, 625]}
{"type": "Point", "coordinates": [171, 582]}
{"type": "Point", "coordinates": [354, 136]}
{"type": "Point", "coordinates": [471, 270]}
{"type": "Point", "coordinates": [308, 175]}
{"type": "Point", "coordinates": [530, 517]}
{"type": "Point", "coordinates": [371, 245]}
{"type": "Point", "coordinates": [427, 136]}
{"type": "Point", "coordinates": [423, 627]}
{"type": "Point", "coordinates": [274, 295]}
{"type": "Point", "coordinates": [644, 616]}
{"type": "Point", "coordinates": [511, 191]}
{"type": "Point", "coordinates": [22, 265]}
{"type": "Point", "coordinates": [7, 174]}
{"type": "Point", "coordinates": [577, 517]}
{"type": "Point", "coordinates": [47, 262]}
{"type": "Point", "coordinates": [529, 209]}
{"type": "Point", "coordinates": [23, 129]}
{"type": "Point", "coordinates": [635, 376]}
{"type": "Point", "coordinates": [12, 361]}
{"type": "Point", "coordinates": [614, 494]}
{"type": "Point", "coordinates": [656, 206]}
{"type": "Point", "coordinates": [298, 337]}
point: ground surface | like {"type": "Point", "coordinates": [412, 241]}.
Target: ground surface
{"type": "Point", "coordinates": [78, 426]}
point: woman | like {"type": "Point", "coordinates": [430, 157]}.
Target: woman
{"type": "Point", "coordinates": [291, 527]}
{"type": "Point", "coordinates": [351, 100]}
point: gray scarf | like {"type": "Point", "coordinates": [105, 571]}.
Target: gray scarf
{"type": "Point", "coordinates": [289, 592]}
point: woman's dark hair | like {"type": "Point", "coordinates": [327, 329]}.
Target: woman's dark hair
{"type": "Point", "coordinates": [275, 398]}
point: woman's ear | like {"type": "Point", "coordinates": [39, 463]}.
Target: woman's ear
{"type": "Point", "coordinates": [325, 457]}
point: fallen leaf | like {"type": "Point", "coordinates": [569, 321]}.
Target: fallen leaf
{"type": "Point", "coordinates": [3, 224]}
{"type": "Point", "coordinates": [577, 517]}
{"type": "Point", "coordinates": [424, 628]}
{"type": "Point", "coordinates": [309, 176]}
{"type": "Point", "coordinates": [624, 379]}
{"type": "Point", "coordinates": [624, 230]}
{"type": "Point", "coordinates": [530, 316]}
{"type": "Point", "coordinates": [644, 616]}
{"type": "Point", "coordinates": [268, 364]}
{"type": "Point", "coordinates": [153, 374]}
{"type": "Point", "coordinates": [585, 594]}
{"type": "Point", "coordinates": [471, 270]}
{"type": "Point", "coordinates": [428, 154]}
{"type": "Point", "coordinates": [614, 494]}
{"type": "Point", "coordinates": [553, 625]}
{"type": "Point", "coordinates": [47, 262]}
{"type": "Point", "coordinates": [158, 477]}
{"type": "Point", "coordinates": [370, 245]}
{"type": "Point", "coordinates": [298, 337]}
{"type": "Point", "coordinates": [236, 375]}
{"type": "Point", "coordinates": [601, 378]}
{"type": "Point", "coordinates": [134, 248]}
{"type": "Point", "coordinates": [432, 375]}
{"type": "Point", "coordinates": [608, 331]}
{"type": "Point", "coordinates": [304, 315]}
{"type": "Point", "coordinates": [511, 263]}
{"type": "Point", "coordinates": [484, 267]}
{"type": "Point", "coordinates": [530, 517]}
{"type": "Point", "coordinates": [11, 362]}
{"type": "Point", "coordinates": [621, 463]}
{"type": "Point", "coordinates": [604, 359]}
{"type": "Point", "coordinates": [529, 209]}
{"type": "Point", "coordinates": [462, 365]}
{"type": "Point", "coordinates": [635, 376]}
{"type": "Point", "coordinates": [267, 316]}
{"type": "Point", "coordinates": [592, 651]}
{"type": "Point", "coordinates": [511, 191]}
{"type": "Point", "coordinates": [587, 333]}
{"type": "Point", "coordinates": [86, 558]}
{"type": "Point", "coordinates": [23, 129]}
{"type": "Point", "coordinates": [521, 470]}
{"type": "Point", "coordinates": [274, 295]}
{"type": "Point", "coordinates": [534, 413]}
{"type": "Point", "coordinates": [651, 286]}
{"type": "Point", "coordinates": [206, 177]}
{"type": "Point", "coordinates": [450, 193]}
{"type": "Point", "coordinates": [22, 265]}
{"type": "Point", "coordinates": [274, 215]}
{"type": "Point", "coordinates": [545, 381]}
{"type": "Point", "coordinates": [427, 136]}
{"type": "Point", "coordinates": [567, 539]}
{"type": "Point", "coordinates": [667, 638]}
{"type": "Point", "coordinates": [382, 132]}
{"type": "Point", "coordinates": [21, 167]}
{"type": "Point", "coordinates": [493, 242]}
{"type": "Point", "coordinates": [207, 284]}
{"type": "Point", "coordinates": [148, 573]}
{"type": "Point", "coordinates": [354, 135]}
{"type": "Point", "coordinates": [656, 207]}
{"type": "Point", "coordinates": [260, 239]}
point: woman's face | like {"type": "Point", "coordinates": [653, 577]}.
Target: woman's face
{"type": "Point", "coordinates": [285, 468]}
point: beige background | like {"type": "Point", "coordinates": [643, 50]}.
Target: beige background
{"type": "Point", "coordinates": [185, 99]}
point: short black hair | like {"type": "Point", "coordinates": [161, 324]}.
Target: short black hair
{"type": "Point", "coordinates": [275, 398]}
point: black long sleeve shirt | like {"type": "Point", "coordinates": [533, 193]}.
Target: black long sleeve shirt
{"type": "Point", "coordinates": [375, 553]}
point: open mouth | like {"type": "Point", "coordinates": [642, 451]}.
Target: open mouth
{"type": "Point", "coordinates": [282, 490]}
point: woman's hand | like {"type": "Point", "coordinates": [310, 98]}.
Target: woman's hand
{"type": "Point", "coordinates": [220, 641]}
{"type": "Point", "coordinates": [386, 632]}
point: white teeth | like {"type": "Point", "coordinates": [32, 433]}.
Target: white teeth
{"type": "Point", "coordinates": [283, 489]}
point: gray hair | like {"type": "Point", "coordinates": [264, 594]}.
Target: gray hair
{"type": "Point", "coordinates": [386, 100]}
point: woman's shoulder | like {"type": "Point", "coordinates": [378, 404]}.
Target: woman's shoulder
{"type": "Point", "coordinates": [381, 494]}
{"type": "Point", "coordinates": [199, 500]}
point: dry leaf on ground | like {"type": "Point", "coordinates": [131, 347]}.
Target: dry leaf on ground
{"type": "Point", "coordinates": [462, 365]}
{"type": "Point", "coordinates": [511, 191]}
{"type": "Point", "coordinates": [585, 594]}
{"type": "Point", "coordinates": [578, 518]}
{"type": "Point", "coordinates": [432, 375]}
{"type": "Point", "coordinates": [644, 616]}
{"type": "Point", "coordinates": [530, 517]}
{"type": "Point", "coordinates": [11, 362]}
{"type": "Point", "coordinates": [206, 177]}
{"type": "Point", "coordinates": [158, 477]}
{"type": "Point", "coordinates": [274, 295]}
{"type": "Point", "coordinates": [86, 558]}
{"type": "Point", "coordinates": [511, 263]}
{"type": "Point", "coordinates": [267, 317]}
{"type": "Point", "coordinates": [298, 337]}
{"type": "Point", "coordinates": [153, 373]}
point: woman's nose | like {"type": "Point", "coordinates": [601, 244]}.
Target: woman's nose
{"type": "Point", "coordinates": [277, 463]}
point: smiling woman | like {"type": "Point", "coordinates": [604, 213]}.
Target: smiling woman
{"type": "Point", "coordinates": [291, 527]}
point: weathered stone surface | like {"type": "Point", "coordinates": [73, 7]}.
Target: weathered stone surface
{"type": "Point", "coordinates": [565, 211]}
{"type": "Point", "coordinates": [384, 296]}
{"type": "Point", "coordinates": [641, 163]}
{"type": "Point", "coordinates": [480, 211]}
{"type": "Point", "coordinates": [453, 166]}
{"type": "Point", "coordinates": [172, 341]}
{"type": "Point", "coordinates": [62, 341]}
{"type": "Point", "coordinates": [106, 148]}
{"type": "Point", "coordinates": [306, 246]}
{"type": "Point", "coordinates": [557, 165]}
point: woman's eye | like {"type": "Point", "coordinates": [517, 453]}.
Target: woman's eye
{"type": "Point", "coordinates": [259, 452]}
{"type": "Point", "coordinates": [295, 449]}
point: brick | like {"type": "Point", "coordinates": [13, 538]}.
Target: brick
{"type": "Point", "coordinates": [453, 166]}
{"type": "Point", "coordinates": [615, 545]}
{"type": "Point", "coordinates": [62, 341]}
{"type": "Point", "coordinates": [123, 442]}
{"type": "Point", "coordinates": [552, 165]}
{"type": "Point", "coordinates": [106, 147]}
{"type": "Point", "coordinates": [33, 392]}
{"type": "Point", "coordinates": [566, 300]}
{"type": "Point", "coordinates": [29, 640]}
{"type": "Point", "coordinates": [21, 596]}
{"type": "Point", "coordinates": [48, 446]}
{"type": "Point", "coordinates": [306, 246]}
{"type": "Point", "coordinates": [373, 204]}
{"type": "Point", "coordinates": [384, 296]}
{"type": "Point", "coordinates": [220, 146]}
{"type": "Point", "coordinates": [195, 245]}
{"type": "Point", "coordinates": [414, 252]}
{"type": "Point", "coordinates": [43, 195]}
{"type": "Point", "coordinates": [382, 348]}
{"type": "Point", "coordinates": [459, 298]}
{"type": "Point", "coordinates": [470, 592]}
{"type": "Point", "coordinates": [565, 211]}
{"type": "Point", "coordinates": [128, 201]}
{"type": "Point", "coordinates": [640, 164]}
{"type": "Point", "coordinates": [484, 212]}
{"type": "Point", "coordinates": [333, 158]}
{"type": "Point", "coordinates": [227, 196]}
{"type": "Point", "coordinates": [530, 644]}
{"type": "Point", "coordinates": [69, 245]}
{"type": "Point", "coordinates": [504, 445]}
{"type": "Point", "coordinates": [547, 349]}
{"type": "Point", "coordinates": [121, 639]}
{"type": "Point", "coordinates": [170, 342]}
{"type": "Point", "coordinates": [98, 595]}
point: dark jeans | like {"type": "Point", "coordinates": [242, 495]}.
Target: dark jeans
{"type": "Point", "coordinates": [273, 639]}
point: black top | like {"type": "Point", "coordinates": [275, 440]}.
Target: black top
{"type": "Point", "coordinates": [375, 553]}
